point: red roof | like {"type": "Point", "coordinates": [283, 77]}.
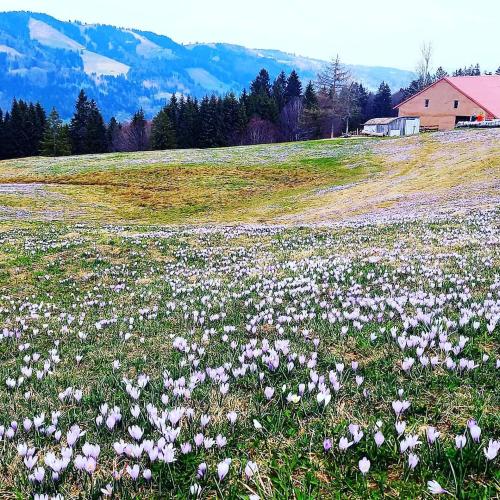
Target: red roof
{"type": "Point", "coordinates": [483, 90]}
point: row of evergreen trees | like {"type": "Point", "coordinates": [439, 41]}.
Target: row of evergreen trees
{"type": "Point", "coordinates": [26, 130]}
{"type": "Point", "coordinates": [271, 111]}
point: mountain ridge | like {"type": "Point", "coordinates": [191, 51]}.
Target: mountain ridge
{"type": "Point", "coordinates": [48, 60]}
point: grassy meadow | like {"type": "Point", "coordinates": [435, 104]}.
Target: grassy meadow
{"type": "Point", "coordinates": [313, 320]}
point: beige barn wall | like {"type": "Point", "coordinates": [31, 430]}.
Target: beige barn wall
{"type": "Point", "coordinates": [440, 112]}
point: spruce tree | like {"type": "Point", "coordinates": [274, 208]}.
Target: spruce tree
{"type": "Point", "coordinates": [20, 132]}
{"type": "Point", "coordinates": [310, 97]}
{"type": "Point", "coordinates": [310, 118]}
{"type": "Point", "coordinates": [112, 135]}
{"type": "Point", "coordinates": [279, 89]}
{"type": "Point", "coordinates": [162, 132]}
{"type": "Point", "coordinates": [440, 73]}
{"type": "Point", "coordinates": [173, 111]}
{"type": "Point", "coordinates": [497, 72]}
{"type": "Point", "coordinates": [8, 143]}
{"type": "Point", "coordinates": [261, 84]}
{"type": "Point", "coordinates": [40, 120]}
{"type": "Point", "coordinates": [242, 123]}
{"type": "Point", "coordinates": [55, 140]}
{"type": "Point", "coordinates": [78, 125]}
{"type": "Point", "coordinates": [188, 126]}
{"type": "Point", "coordinates": [138, 140]}
{"type": "Point", "coordinates": [95, 141]}
{"type": "Point", "coordinates": [293, 87]}
{"type": "Point", "coordinates": [3, 150]}
{"type": "Point", "coordinates": [230, 113]}
{"type": "Point", "coordinates": [383, 101]}
{"type": "Point", "coordinates": [208, 123]}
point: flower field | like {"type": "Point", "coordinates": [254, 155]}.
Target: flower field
{"type": "Point", "coordinates": [338, 338]}
{"type": "Point", "coordinates": [355, 360]}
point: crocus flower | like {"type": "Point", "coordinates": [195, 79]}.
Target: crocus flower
{"type": "Point", "coordinates": [133, 472]}
{"type": "Point", "coordinates": [432, 434]}
{"type": "Point", "coordinates": [327, 444]}
{"type": "Point", "coordinates": [379, 439]}
{"type": "Point", "coordinates": [344, 443]}
{"type": "Point", "coordinates": [412, 460]}
{"type": "Point", "coordinates": [492, 450]}
{"type": "Point", "coordinates": [251, 469]}
{"type": "Point", "coordinates": [223, 468]}
{"type": "Point", "coordinates": [202, 469]}
{"type": "Point", "coordinates": [475, 430]}
{"type": "Point", "coordinates": [435, 488]}
{"type": "Point", "coordinates": [460, 441]}
{"type": "Point", "coordinates": [364, 465]}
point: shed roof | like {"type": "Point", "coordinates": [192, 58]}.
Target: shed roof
{"type": "Point", "coordinates": [381, 121]}
{"type": "Point", "coordinates": [483, 90]}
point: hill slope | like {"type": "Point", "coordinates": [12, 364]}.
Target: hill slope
{"type": "Point", "coordinates": [319, 181]}
{"type": "Point", "coordinates": [42, 58]}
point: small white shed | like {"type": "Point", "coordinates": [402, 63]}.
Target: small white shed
{"type": "Point", "coordinates": [393, 126]}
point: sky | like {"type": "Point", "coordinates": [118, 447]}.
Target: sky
{"type": "Point", "coordinates": [370, 32]}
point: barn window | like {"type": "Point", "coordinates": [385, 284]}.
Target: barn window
{"type": "Point", "coordinates": [427, 103]}
{"type": "Point", "coordinates": [455, 104]}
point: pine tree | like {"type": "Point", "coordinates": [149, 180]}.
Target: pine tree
{"type": "Point", "coordinates": [137, 133]}
{"type": "Point", "coordinates": [95, 141]}
{"type": "Point", "coordinates": [382, 102]}
{"type": "Point", "coordinates": [261, 84]}
{"type": "Point", "coordinates": [440, 73]}
{"type": "Point", "coordinates": [310, 118]}
{"type": "Point", "coordinates": [497, 72]}
{"type": "Point", "coordinates": [162, 131]}
{"type": "Point", "coordinates": [310, 97]}
{"type": "Point", "coordinates": [230, 115]}
{"type": "Point", "coordinates": [279, 89]}
{"type": "Point", "coordinates": [242, 122]}
{"type": "Point", "coordinates": [217, 110]}
{"type": "Point", "coordinates": [188, 127]}
{"type": "Point", "coordinates": [261, 102]}
{"type": "Point", "coordinates": [8, 143]}
{"type": "Point", "coordinates": [40, 121]}
{"type": "Point", "coordinates": [3, 150]}
{"type": "Point", "coordinates": [55, 140]}
{"type": "Point", "coordinates": [19, 130]}
{"type": "Point", "coordinates": [112, 135]}
{"type": "Point", "coordinates": [78, 125]}
{"type": "Point", "coordinates": [293, 87]}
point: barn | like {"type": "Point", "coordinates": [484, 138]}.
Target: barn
{"type": "Point", "coordinates": [455, 99]}
{"type": "Point", "coordinates": [393, 126]}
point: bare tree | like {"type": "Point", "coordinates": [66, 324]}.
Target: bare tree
{"type": "Point", "coordinates": [423, 69]}
{"type": "Point", "coordinates": [260, 131]}
{"type": "Point", "coordinates": [290, 119]}
{"type": "Point", "coordinates": [333, 92]}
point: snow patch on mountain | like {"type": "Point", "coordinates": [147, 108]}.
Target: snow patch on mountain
{"type": "Point", "coordinates": [101, 65]}
{"type": "Point", "coordinates": [149, 49]}
{"type": "Point", "coordinates": [206, 80]}
{"type": "Point", "coordinates": [50, 37]}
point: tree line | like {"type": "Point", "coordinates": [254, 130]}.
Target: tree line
{"type": "Point", "coordinates": [270, 111]}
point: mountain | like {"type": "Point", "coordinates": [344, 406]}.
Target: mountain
{"type": "Point", "coordinates": [47, 60]}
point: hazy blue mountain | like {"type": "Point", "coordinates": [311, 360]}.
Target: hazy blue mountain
{"type": "Point", "coordinates": [42, 58]}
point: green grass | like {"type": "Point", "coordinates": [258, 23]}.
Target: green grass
{"type": "Point", "coordinates": [306, 182]}
{"type": "Point", "coordinates": [245, 183]}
